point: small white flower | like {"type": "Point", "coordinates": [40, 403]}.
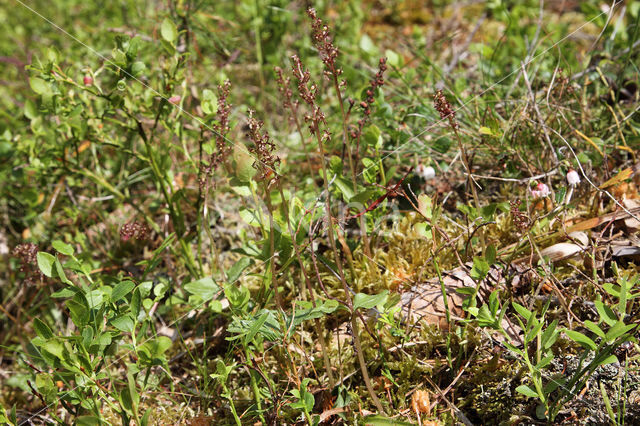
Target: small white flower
{"type": "Point", "coordinates": [573, 178]}
{"type": "Point", "coordinates": [425, 172]}
{"type": "Point", "coordinates": [541, 190]}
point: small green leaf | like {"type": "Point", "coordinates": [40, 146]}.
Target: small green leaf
{"type": "Point", "coordinates": [236, 270]}
{"type": "Point", "coordinates": [39, 86]}
{"type": "Point", "coordinates": [209, 102]}
{"type": "Point", "coordinates": [366, 301]}
{"type": "Point", "coordinates": [88, 421]}
{"type": "Point", "coordinates": [606, 313]}
{"type": "Point", "coordinates": [255, 327]}
{"type": "Point", "coordinates": [45, 263]}
{"type": "Point", "coordinates": [618, 330]}
{"type": "Point", "coordinates": [123, 323]}
{"type": "Point", "coordinates": [608, 360]}
{"type": "Point", "coordinates": [54, 347]}
{"type": "Point", "coordinates": [378, 420]}
{"type": "Point", "coordinates": [485, 131]}
{"type": "Point", "coordinates": [204, 288]}
{"type": "Point", "coordinates": [524, 312]}
{"type": "Point", "coordinates": [581, 339]}
{"type": "Point", "coordinates": [169, 31]}
{"type": "Point", "coordinates": [42, 329]}
{"type": "Point", "coordinates": [136, 301]}
{"type": "Point", "coordinates": [121, 290]}
{"type": "Point", "coordinates": [527, 391]}
{"type": "Point", "coordinates": [63, 248]}
{"type": "Point", "coordinates": [594, 328]}
{"type": "Point", "coordinates": [393, 59]}
{"type": "Point", "coordinates": [550, 335]}
{"type": "Point", "coordinates": [480, 269]}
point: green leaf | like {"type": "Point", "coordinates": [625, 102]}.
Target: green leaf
{"type": "Point", "coordinates": [393, 59]}
{"type": "Point", "coordinates": [238, 296]}
{"type": "Point", "coordinates": [209, 103]}
{"type": "Point", "coordinates": [524, 312]}
{"type": "Point", "coordinates": [544, 361]}
{"type": "Point", "coordinates": [45, 263]}
{"type": "Point", "coordinates": [136, 301]}
{"type": "Point", "coordinates": [490, 254]}
{"type": "Point", "coordinates": [42, 329]}
{"type": "Point", "coordinates": [608, 360]}
{"type": "Point", "coordinates": [345, 187]}
{"type": "Point", "coordinates": [145, 418]}
{"type": "Point", "coordinates": [153, 350]}
{"type": "Point", "coordinates": [169, 31]}
{"type": "Point", "coordinates": [78, 311]}
{"type": "Point", "coordinates": [204, 288]}
{"type": "Point", "coordinates": [63, 248]}
{"type": "Point", "coordinates": [138, 68]}
{"type": "Point", "coordinates": [550, 335]}
{"type": "Point", "coordinates": [378, 420]}
{"type": "Point", "coordinates": [367, 45]}
{"type": "Point", "coordinates": [527, 391]}
{"type": "Point", "coordinates": [372, 136]}
{"type": "Point", "coordinates": [95, 298]}
{"type": "Point", "coordinates": [60, 272]}
{"type": "Point", "coordinates": [618, 330]}
{"type": "Point", "coordinates": [606, 313]}
{"type": "Point", "coordinates": [236, 270]}
{"type": "Point", "coordinates": [480, 269]}
{"type": "Point", "coordinates": [121, 290]}
{"type": "Point", "coordinates": [255, 327]}
{"type": "Point", "coordinates": [594, 328]}
{"type": "Point", "coordinates": [581, 339]}
{"type": "Point", "coordinates": [88, 421]}
{"type": "Point", "coordinates": [40, 86]}
{"type": "Point", "coordinates": [54, 347]}
{"type": "Point", "coordinates": [123, 323]}
{"type": "Point", "coordinates": [533, 332]}
{"type": "Point", "coordinates": [366, 301]}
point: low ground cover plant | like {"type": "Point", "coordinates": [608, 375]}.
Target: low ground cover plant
{"type": "Point", "coordinates": [262, 212]}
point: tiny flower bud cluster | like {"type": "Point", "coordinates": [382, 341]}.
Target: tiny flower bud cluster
{"type": "Point", "coordinates": [442, 105]}
{"type": "Point", "coordinates": [135, 230]}
{"type": "Point", "coordinates": [308, 94]}
{"type": "Point", "coordinates": [376, 82]}
{"type": "Point", "coordinates": [221, 128]}
{"type": "Point", "coordinates": [266, 162]}
{"type": "Point", "coordinates": [285, 89]}
{"type": "Point", "coordinates": [175, 99]}
{"type": "Point", "coordinates": [520, 219]}
{"type": "Point", "coordinates": [87, 80]}
{"type": "Point", "coordinates": [27, 253]}
{"type": "Point", "coordinates": [321, 39]}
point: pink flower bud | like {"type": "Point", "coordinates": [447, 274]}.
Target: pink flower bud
{"type": "Point", "coordinates": [573, 178]}
{"type": "Point", "coordinates": [541, 190]}
{"type": "Point", "coordinates": [175, 99]}
{"type": "Point", "coordinates": [87, 80]}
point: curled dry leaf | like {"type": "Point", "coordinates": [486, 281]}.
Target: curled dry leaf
{"type": "Point", "coordinates": [420, 402]}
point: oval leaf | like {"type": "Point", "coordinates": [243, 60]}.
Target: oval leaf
{"type": "Point", "coordinates": [169, 31]}
{"type": "Point", "coordinates": [45, 263]}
